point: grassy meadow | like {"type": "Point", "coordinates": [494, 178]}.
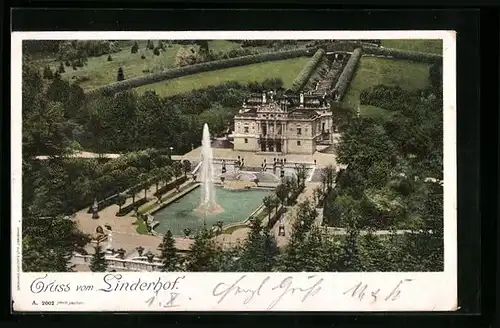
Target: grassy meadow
{"type": "Point", "coordinates": [372, 71]}
{"type": "Point", "coordinates": [429, 46]}
{"type": "Point", "coordinates": [286, 70]}
{"type": "Point", "coordinates": [99, 71]}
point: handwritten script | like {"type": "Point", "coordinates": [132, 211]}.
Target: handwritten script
{"type": "Point", "coordinates": [360, 290]}
{"type": "Point", "coordinates": [249, 291]}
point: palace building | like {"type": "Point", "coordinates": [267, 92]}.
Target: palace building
{"type": "Point", "coordinates": [284, 124]}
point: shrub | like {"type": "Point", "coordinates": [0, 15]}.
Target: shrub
{"type": "Point", "coordinates": [129, 208]}
{"type": "Point", "coordinates": [198, 68]}
{"type": "Point", "coordinates": [120, 76]}
{"type": "Point", "coordinates": [143, 57]}
{"type": "Point", "coordinates": [47, 73]}
{"type": "Point", "coordinates": [403, 54]}
{"type": "Point", "coordinates": [347, 74]}
{"type": "Point", "coordinates": [170, 186]}
{"type": "Point", "coordinates": [156, 51]}
{"type": "Point", "coordinates": [304, 75]}
{"type": "Point", "coordinates": [61, 68]}
{"type": "Point", "coordinates": [135, 48]}
{"type": "Point", "coordinates": [110, 58]}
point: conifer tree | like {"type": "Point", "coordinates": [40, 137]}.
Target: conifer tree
{"type": "Point", "coordinates": [98, 262]}
{"type": "Point", "coordinates": [135, 48]}
{"type": "Point", "coordinates": [120, 76]}
{"type": "Point", "coordinates": [202, 253]}
{"type": "Point", "coordinates": [169, 256]}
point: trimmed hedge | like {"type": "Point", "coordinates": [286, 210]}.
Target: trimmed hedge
{"type": "Point", "coordinates": [304, 75]}
{"type": "Point", "coordinates": [129, 208]}
{"type": "Point", "coordinates": [348, 72]}
{"type": "Point", "coordinates": [170, 186]}
{"type": "Point", "coordinates": [319, 73]}
{"type": "Point", "coordinates": [198, 68]}
{"type": "Point", "coordinates": [275, 216]}
{"type": "Point", "coordinates": [404, 54]}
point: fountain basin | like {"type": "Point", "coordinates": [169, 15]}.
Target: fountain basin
{"type": "Point", "coordinates": [237, 206]}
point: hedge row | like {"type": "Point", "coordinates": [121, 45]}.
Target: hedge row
{"type": "Point", "coordinates": [170, 186]}
{"type": "Point", "coordinates": [304, 75]}
{"type": "Point", "coordinates": [348, 72]}
{"type": "Point", "coordinates": [319, 73]}
{"type": "Point", "coordinates": [275, 217]}
{"type": "Point", "coordinates": [129, 208]}
{"type": "Point", "coordinates": [403, 54]}
{"type": "Point", "coordinates": [198, 68]}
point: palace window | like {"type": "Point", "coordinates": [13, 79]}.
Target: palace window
{"type": "Point", "coordinates": [298, 142]}
{"type": "Point", "coordinates": [246, 140]}
{"type": "Point", "coordinates": [299, 131]}
{"type": "Point", "coordinates": [246, 129]}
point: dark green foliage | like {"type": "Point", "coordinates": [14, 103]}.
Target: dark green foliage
{"type": "Point", "coordinates": [131, 207]}
{"type": "Point", "coordinates": [348, 72]}
{"type": "Point", "coordinates": [119, 75]}
{"type": "Point", "coordinates": [47, 73]}
{"type": "Point", "coordinates": [156, 51]}
{"type": "Point", "coordinates": [198, 68]}
{"type": "Point", "coordinates": [203, 252]}
{"type": "Point", "coordinates": [259, 251]}
{"type": "Point", "coordinates": [61, 68]}
{"type": "Point", "coordinates": [304, 75]}
{"type": "Point", "coordinates": [110, 58]}
{"type": "Point", "coordinates": [135, 48]}
{"type": "Point", "coordinates": [98, 262]}
{"type": "Point", "coordinates": [168, 254]}
{"type": "Point", "coordinates": [403, 54]}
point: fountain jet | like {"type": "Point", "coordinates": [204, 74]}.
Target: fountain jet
{"type": "Point", "coordinates": [208, 205]}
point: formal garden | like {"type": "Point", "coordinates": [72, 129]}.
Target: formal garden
{"type": "Point", "coordinates": [389, 152]}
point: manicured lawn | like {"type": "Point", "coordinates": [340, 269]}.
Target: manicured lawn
{"type": "Point", "coordinates": [141, 227]}
{"type": "Point", "coordinates": [287, 70]}
{"type": "Point", "coordinates": [430, 46]}
{"type": "Point", "coordinates": [372, 71]}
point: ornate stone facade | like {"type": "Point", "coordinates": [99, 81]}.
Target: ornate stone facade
{"type": "Point", "coordinates": [284, 124]}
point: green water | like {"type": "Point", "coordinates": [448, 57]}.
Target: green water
{"type": "Point", "coordinates": [237, 205]}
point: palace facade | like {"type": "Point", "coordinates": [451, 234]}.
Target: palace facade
{"type": "Point", "coordinates": [284, 124]}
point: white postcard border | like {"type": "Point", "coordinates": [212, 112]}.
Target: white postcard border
{"type": "Point", "coordinates": [398, 291]}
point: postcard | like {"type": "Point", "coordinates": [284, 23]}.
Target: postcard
{"type": "Point", "coordinates": [234, 171]}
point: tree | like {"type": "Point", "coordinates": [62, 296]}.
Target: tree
{"type": "Point", "coordinates": [150, 45]}
{"type": "Point", "coordinates": [47, 73]}
{"type": "Point", "coordinates": [328, 178]}
{"type": "Point", "coordinates": [155, 177]}
{"type": "Point", "coordinates": [120, 75]}
{"type": "Point", "coordinates": [120, 201]}
{"type": "Point", "coordinates": [166, 175]}
{"type": "Point", "coordinates": [168, 253]}
{"type": "Point", "coordinates": [282, 192]}
{"type": "Point", "coordinates": [98, 261]}
{"type": "Point", "coordinates": [260, 250]}
{"type": "Point", "coordinates": [186, 165]}
{"type": "Point", "coordinates": [49, 242]}
{"type": "Point", "coordinates": [269, 205]}
{"type": "Point", "coordinates": [135, 48]}
{"type": "Point", "coordinates": [156, 51]}
{"type": "Point", "coordinates": [202, 253]}
{"type": "Point", "coordinates": [110, 58]}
